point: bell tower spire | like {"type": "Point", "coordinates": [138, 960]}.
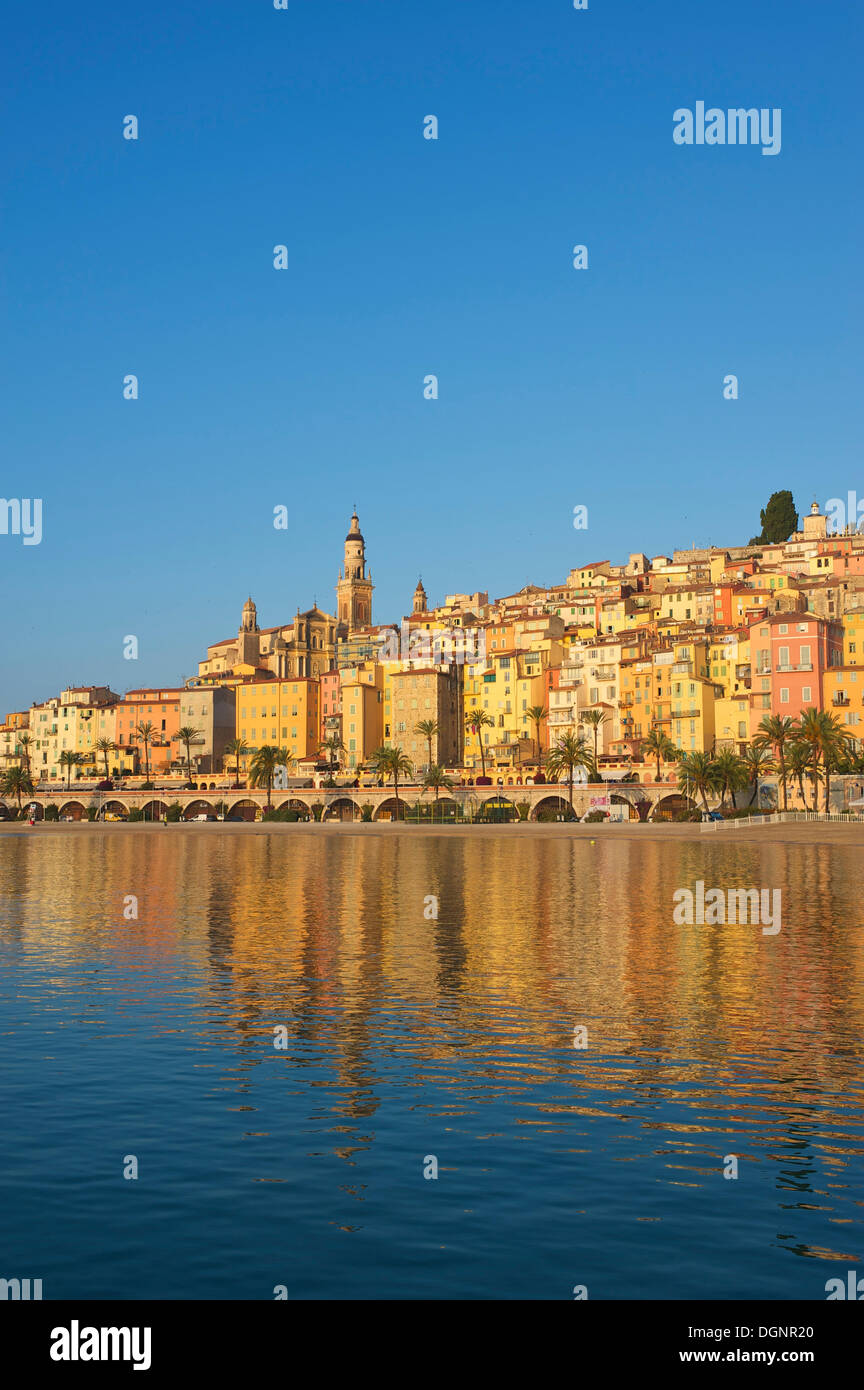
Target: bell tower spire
{"type": "Point", "coordinates": [354, 589]}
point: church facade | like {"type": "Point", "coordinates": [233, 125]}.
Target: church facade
{"type": "Point", "coordinates": [307, 645]}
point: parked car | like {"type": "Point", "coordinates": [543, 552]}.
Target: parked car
{"type": "Point", "coordinates": [711, 815]}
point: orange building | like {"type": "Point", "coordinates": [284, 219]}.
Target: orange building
{"type": "Point", "coordinates": [159, 708]}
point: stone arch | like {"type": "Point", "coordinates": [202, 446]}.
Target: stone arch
{"type": "Point", "coordinates": [6, 812]}
{"type": "Point", "coordinates": [154, 810]}
{"type": "Point", "coordinates": [391, 809]}
{"type": "Point", "coordinates": [196, 808]}
{"type": "Point", "coordinates": [498, 809]}
{"type": "Point", "coordinates": [551, 807]}
{"type": "Point", "coordinates": [244, 810]}
{"type": "Point", "coordinates": [295, 804]}
{"type": "Point", "coordinates": [73, 809]}
{"type": "Point", "coordinates": [672, 803]}
{"type": "Point", "coordinates": [115, 808]}
{"type": "Point", "coordinates": [341, 808]}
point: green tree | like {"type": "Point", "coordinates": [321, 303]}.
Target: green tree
{"type": "Point", "coordinates": [594, 718]}
{"type": "Point", "coordinates": [188, 737]}
{"type": "Point", "coordinates": [68, 759]}
{"type": "Point", "coordinates": [263, 767]}
{"type": "Point", "coordinates": [778, 731]}
{"type": "Point", "coordinates": [798, 764]}
{"type": "Point", "coordinates": [105, 746]}
{"type": "Point", "coordinates": [435, 778]}
{"type": "Point", "coordinates": [758, 762]}
{"type": "Point", "coordinates": [25, 743]}
{"type": "Point", "coordinates": [236, 748]}
{"type": "Point", "coordinates": [17, 782]}
{"type": "Point", "coordinates": [334, 748]}
{"type": "Point", "coordinates": [730, 775]}
{"type": "Point", "coordinates": [569, 753]}
{"type": "Point", "coordinates": [824, 735]}
{"type": "Point", "coordinates": [658, 745]}
{"type": "Point", "coordinates": [536, 714]}
{"type": "Point", "coordinates": [697, 773]}
{"type": "Point", "coordinates": [392, 762]}
{"type": "Point", "coordinates": [427, 728]}
{"type": "Point", "coordinates": [476, 720]}
{"type": "Point", "coordinates": [779, 519]}
{"type": "Point", "coordinates": [145, 732]}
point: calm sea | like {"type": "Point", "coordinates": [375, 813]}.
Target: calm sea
{"type": "Point", "coordinates": [410, 1038]}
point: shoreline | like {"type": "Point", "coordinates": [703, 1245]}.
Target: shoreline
{"type": "Point", "coordinates": [802, 832]}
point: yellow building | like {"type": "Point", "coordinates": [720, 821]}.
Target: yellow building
{"type": "Point", "coordinates": [281, 714]}
{"type": "Point", "coordinates": [729, 658]}
{"type": "Point", "coordinates": [843, 695]}
{"type": "Point", "coordinates": [673, 691]}
{"type": "Point", "coordinates": [853, 637]}
{"type": "Point", "coordinates": [362, 693]}
{"type": "Point", "coordinates": [506, 687]}
{"type": "Point", "coordinates": [71, 723]}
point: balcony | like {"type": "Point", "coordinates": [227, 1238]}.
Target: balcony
{"type": "Point", "coordinates": [841, 701]}
{"type": "Point", "coordinates": [805, 666]}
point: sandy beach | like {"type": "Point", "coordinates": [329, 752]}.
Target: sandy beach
{"type": "Point", "coordinates": [803, 832]}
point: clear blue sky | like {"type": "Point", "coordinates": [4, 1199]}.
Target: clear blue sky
{"type": "Point", "coordinates": [406, 257]}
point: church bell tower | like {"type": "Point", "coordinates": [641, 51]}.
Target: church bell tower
{"type": "Point", "coordinates": [354, 589]}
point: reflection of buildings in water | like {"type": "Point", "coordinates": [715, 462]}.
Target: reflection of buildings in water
{"type": "Point", "coordinates": [329, 937]}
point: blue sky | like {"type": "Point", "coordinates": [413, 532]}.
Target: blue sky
{"type": "Point", "coordinates": [304, 387]}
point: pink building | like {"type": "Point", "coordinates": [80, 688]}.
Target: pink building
{"type": "Point", "coordinates": [331, 704]}
{"type": "Point", "coordinates": [789, 655]}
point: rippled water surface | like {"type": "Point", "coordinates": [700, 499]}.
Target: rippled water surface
{"type": "Point", "coordinates": [409, 1037]}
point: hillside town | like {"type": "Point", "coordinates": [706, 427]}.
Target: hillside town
{"type": "Point", "coordinates": [721, 669]}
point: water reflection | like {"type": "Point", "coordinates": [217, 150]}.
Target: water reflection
{"type": "Point", "coordinates": [406, 1032]}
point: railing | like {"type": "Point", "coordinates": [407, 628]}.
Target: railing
{"type": "Point", "coordinates": [785, 817]}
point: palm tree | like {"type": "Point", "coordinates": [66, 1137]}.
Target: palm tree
{"type": "Point", "coordinates": [824, 735]}
{"type": "Point", "coordinates": [758, 762]}
{"type": "Point", "coordinates": [594, 717]}
{"type": "Point", "coordinates": [188, 736]}
{"type": "Point", "coordinates": [145, 732]}
{"type": "Point", "coordinates": [697, 770]}
{"type": "Point", "coordinates": [392, 762]}
{"type": "Point", "coordinates": [569, 753]}
{"type": "Point", "coordinates": [263, 767]}
{"type": "Point", "coordinates": [730, 775]}
{"type": "Point", "coordinates": [476, 720]}
{"type": "Point", "coordinates": [798, 765]}
{"type": "Point", "coordinates": [25, 742]}
{"type": "Point", "coordinates": [435, 778]}
{"type": "Point", "coordinates": [15, 781]}
{"type": "Point", "coordinates": [236, 748]}
{"type": "Point", "coordinates": [659, 745]}
{"type": "Point", "coordinates": [105, 746]}
{"type": "Point", "coordinates": [333, 746]}
{"type": "Point", "coordinates": [776, 731]}
{"type": "Point", "coordinates": [68, 759]}
{"type": "Point", "coordinates": [835, 744]}
{"type": "Point", "coordinates": [428, 728]}
{"type": "Point", "coordinates": [537, 713]}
